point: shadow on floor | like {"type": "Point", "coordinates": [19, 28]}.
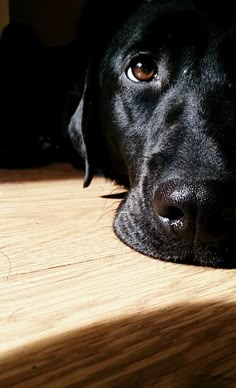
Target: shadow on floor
{"type": "Point", "coordinates": [181, 346]}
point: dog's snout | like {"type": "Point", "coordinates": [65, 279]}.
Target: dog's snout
{"type": "Point", "coordinates": [195, 211]}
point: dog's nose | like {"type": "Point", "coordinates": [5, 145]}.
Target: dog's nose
{"type": "Point", "coordinates": [196, 211]}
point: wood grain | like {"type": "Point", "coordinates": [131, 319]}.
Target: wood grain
{"type": "Point", "coordinates": [79, 308]}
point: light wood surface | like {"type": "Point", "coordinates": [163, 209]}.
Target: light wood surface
{"type": "Point", "coordinates": [79, 308]}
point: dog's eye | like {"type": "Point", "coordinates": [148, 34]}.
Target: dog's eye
{"type": "Point", "coordinates": [142, 68]}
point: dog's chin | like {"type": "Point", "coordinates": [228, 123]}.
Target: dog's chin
{"type": "Point", "coordinates": [140, 235]}
{"type": "Point", "coordinates": [204, 256]}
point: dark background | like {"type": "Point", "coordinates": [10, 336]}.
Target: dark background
{"type": "Point", "coordinates": [38, 80]}
{"type": "Point", "coordinates": [54, 20]}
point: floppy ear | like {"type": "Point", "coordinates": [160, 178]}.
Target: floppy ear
{"type": "Point", "coordinates": [79, 129]}
{"type": "Point", "coordinates": [92, 38]}
{"type": "Point", "coordinates": [80, 126]}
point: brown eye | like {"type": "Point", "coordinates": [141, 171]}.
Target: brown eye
{"type": "Point", "coordinates": [142, 68]}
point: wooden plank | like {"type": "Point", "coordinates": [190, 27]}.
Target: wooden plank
{"type": "Point", "coordinates": [78, 307]}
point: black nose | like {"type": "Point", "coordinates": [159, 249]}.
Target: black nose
{"type": "Point", "coordinates": [195, 210]}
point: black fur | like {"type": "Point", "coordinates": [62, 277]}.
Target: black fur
{"type": "Point", "coordinates": [171, 141]}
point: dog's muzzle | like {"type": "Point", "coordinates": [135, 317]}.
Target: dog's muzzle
{"type": "Point", "coordinates": [196, 211]}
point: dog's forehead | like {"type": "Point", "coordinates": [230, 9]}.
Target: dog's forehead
{"type": "Point", "coordinates": [155, 22]}
{"type": "Point", "coordinates": [183, 20]}
{"type": "Point", "coordinates": [187, 33]}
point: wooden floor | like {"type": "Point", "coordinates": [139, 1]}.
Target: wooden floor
{"type": "Point", "coordinates": [78, 308]}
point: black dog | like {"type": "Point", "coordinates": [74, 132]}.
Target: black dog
{"type": "Point", "coordinates": [158, 116]}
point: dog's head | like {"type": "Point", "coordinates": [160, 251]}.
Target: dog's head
{"type": "Point", "coordinates": [157, 114]}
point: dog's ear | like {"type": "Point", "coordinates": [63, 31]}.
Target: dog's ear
{"type": "Point", "coordinates": [79, 130]}
{"type": "Point", "coordinates": [80, 126]}
{"type": "Point", "coordinates": [91, 42]}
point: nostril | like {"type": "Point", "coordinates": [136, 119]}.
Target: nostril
{"type": "Point", "coordinates": [174, 214]}
{"type": "Point", "coordinates": [196, 211]}
{"type": "Point", "coordinates": [175, 206]}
